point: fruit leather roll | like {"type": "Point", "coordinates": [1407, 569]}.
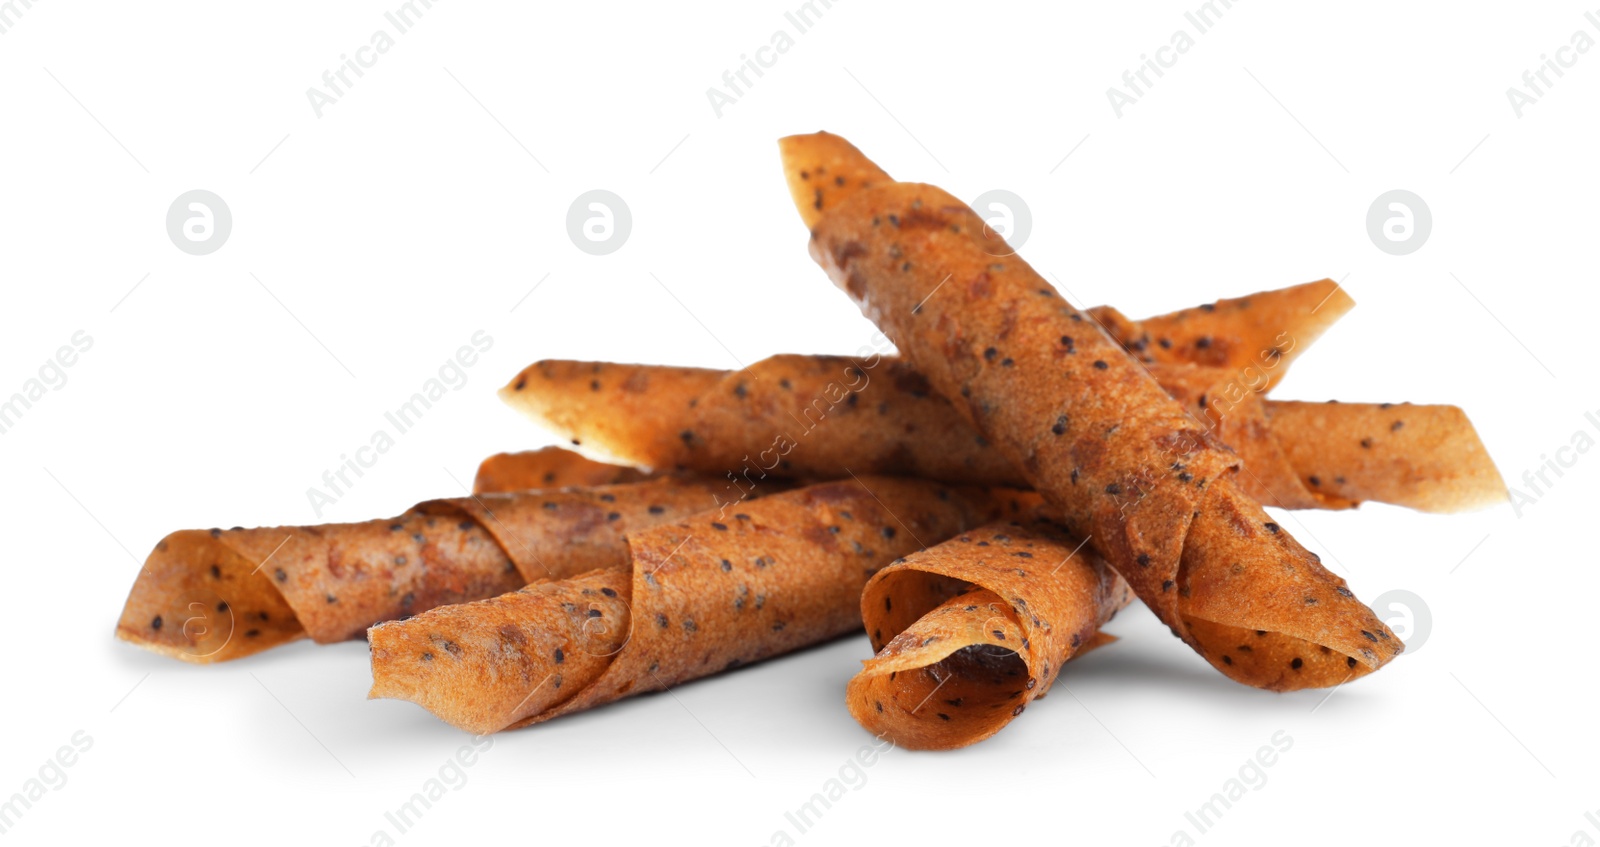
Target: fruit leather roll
{"type": "Point", "coordinates": [828, 416]}
{"type": "Point", "coordinates": [696, 596]}
{"type": "Point", "coordinates": [1121, 461]}
{"type": "Point", "coordinates": [213, 595]}
{"type": "Point", "coordinates": [547, 467]}
{"type": "Point", "coordinates": [969, 632]}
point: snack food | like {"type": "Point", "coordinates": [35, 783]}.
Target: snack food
{"type": "Point", "coordinates": [547, 467]}
{"type": "Point", "coordinates": [696, 597]}
{"type": "Point", "coordinates": [1119, 459]}
{"type": "Point", "coordinates": [212, 595]}
{"type": "Point", "coordinates": [969, 632]}
{"type": "Point", "coordinates": [827, 416]}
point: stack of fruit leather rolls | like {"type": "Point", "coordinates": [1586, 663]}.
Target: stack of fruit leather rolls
{"type": "Point", "coordinates": [1122, 462]}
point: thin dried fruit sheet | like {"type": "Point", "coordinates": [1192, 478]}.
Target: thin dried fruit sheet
{"type": "Point", "coordinates": [968, 633]}
{"type": "Point", "coordinates": [828, 416]}
{"type": "Point", "coordinates": [213, 595]}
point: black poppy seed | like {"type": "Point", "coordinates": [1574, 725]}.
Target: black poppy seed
{"type": "Point", "coordinates": [156, 623]}
{"type": "Point", "coordinates": [1202, 342]}
{"type": "Point", "coordinates": [661, 620]}
{"type": "Point", "coordinates": [1314, 481]}
{"type": "Point", "coordinates": [279, 575]}
{"type": "Point", "coordinates": [1226, 659]}
{"type": "Point", "coordinates": [1113, 488]}
{"type": "Point", "coordinates": [1000, 634]}
{"type": "Point", "coordinates": [1395, 427]}
{"type": "Point", "coordinates": [252, 633]}
{"type": "Point", "coordinates": [1060, 427]}
{"type": "Point", "coordinates": [1366, 443]}
{"type": "Point", "coordinates": [1100, 364]}
{"type": "Point", "coordinates": [727, 565]}
{"type": "Point", "coordinates": [991, 353]}
{"type": "Point", "coordinates": [223, 606]}
{"type": "Point", "coordinates": [1165, 343]}
{"type": "Point", "coordinates": [689, 625]}
{"type": "Point", "coordinates": [417, 537]}
{"type": "Point", "coordinates": [943, 716]}
{"type": "Point", "coordinates": [1271, 527]}
{"type": "Point", "coordinates": [1167, 585]}
{"type": "Point", "coordinates": [552, 506]}
{"type": "Point", "coordinates": [1369, 636]}
{"type": "Point", "coordinates": [879, 705]}
{"type": "Point", "coordinates": [1023, 554]}
{"type": "Point", "coordinates": [332, 599]}
{"type": "Point", "coordinates": [1018, 710]}
{"type": "Point", "coordinates": [1143, 560]}
{"type": "Point", "coordinates": [1074, 476]}
{"type": "Point", "coordinates": [1007, 362]}
{"type": "Point", "coordinates": [656, 510]}
{"type": "Point", "coordinates": [1296, 663]}
{"type": "Point", "coordinates": [1349, 661]}
{"type": "Point", "coordinates": [609, 592]}
{"type": "Point", "coordinates": [1344, 591]}
{"type": "Point", "coordinates": [720, 527]}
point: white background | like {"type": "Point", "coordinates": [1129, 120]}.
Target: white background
{"type": "Point", "coordinates": [425, 204]}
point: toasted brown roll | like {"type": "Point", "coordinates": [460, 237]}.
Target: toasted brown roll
{"type": "Point", "coordinates": [828, 416]}
{"type": "Point", "coordinates": [213, 595]}
{"type": "Point", "coordinates": [969, 632]}
{"type": "Point", "coordinates": [547, 467]}
{"type": "Point", "coordinates": [1121, 461]}
{"type": "Point", "coordinates": [697, 596]}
